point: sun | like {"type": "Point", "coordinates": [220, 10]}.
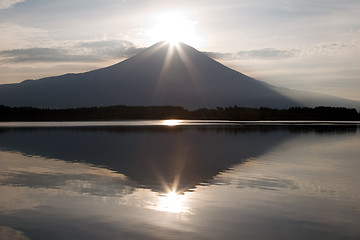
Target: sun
{"type": "Point", "coordinates": [174, 27]}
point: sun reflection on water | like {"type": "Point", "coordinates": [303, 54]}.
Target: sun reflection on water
{"type": "Point", "coordinates": [171, 122]}
{"type": "Point", "coordinates": [172, 202]}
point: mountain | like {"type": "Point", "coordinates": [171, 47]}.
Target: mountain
{"type": "Point", "coordinates": [160, 75]}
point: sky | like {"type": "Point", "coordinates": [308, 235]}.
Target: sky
{"type": "Point", "coordinates": [311, 45]}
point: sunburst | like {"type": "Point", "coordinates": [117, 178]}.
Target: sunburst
{"type": "Point", "coordinates": [174, 27]}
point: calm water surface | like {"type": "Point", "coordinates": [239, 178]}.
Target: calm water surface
{"type": "Point", "coordinates": [179, 180]}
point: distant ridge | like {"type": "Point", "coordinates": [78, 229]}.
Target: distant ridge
{"type": "Point", "coordinates": [161, 75]}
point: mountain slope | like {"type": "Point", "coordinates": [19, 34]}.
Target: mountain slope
{"type": "Point", "coordinates": [159, 75]}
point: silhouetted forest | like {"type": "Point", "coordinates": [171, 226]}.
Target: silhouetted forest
{"type": "Point", "coordinates": [166, 112]}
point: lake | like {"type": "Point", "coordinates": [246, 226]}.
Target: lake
{"type": "Point", "coordinates": [180, 180]}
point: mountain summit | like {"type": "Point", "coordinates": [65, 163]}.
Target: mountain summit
{"type": "Point", "coordinates": [162, 74]}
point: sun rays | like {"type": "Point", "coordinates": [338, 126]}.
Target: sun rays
{"type": "Point", "coordinates": [175, 58]}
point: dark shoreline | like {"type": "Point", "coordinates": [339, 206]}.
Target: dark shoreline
{"type": "Point", "coordinates": [121, 112]}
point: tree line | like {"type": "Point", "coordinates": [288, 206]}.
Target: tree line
{"type": "Point", "coordinates": [122, 112]}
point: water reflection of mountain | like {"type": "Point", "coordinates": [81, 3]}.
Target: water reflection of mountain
{"type": "Point", "coordinates": [156, 157]}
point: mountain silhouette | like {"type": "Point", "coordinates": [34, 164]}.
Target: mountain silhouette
{"type": "Point", "coordinates": [162, 74]}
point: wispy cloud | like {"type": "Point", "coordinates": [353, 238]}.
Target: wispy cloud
{"type": "Point", "coordinates": [42, 55]}
{"type": "Point", "coordinates": [220, 55]}
{"type": "Point", "coordinates": [265, 53]}
{"type": "Point", "coordinates": [20, 36]}
{"type": "Point", "coordinates": [4, 4]}
{"type": "Point", "coordinates": [90, 51]}
{"type": "Point", "coordinates": [111, 48]}
{"type": "Point", "coordinates": [332, 49]}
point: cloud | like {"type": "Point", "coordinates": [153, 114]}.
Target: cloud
{"type": "Point", "coordinates": [42, 55]}
{"type": "Point", "coordinates": [114, 48]}
{"type": "Point", "coordinates": [4, 4]}
{"type": "Point", "coordinates": [219, 55]}
{"type": "Point", "coordinates": [90, 51]}
{"type": "Point", "coordinates": [8, 233]}
{"type": "Point", "coordinates": [19, 36]}
{"type": "Point", "coordinates": [265, 53]}
{"type": "Point", "coordinates": [83, 183]}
